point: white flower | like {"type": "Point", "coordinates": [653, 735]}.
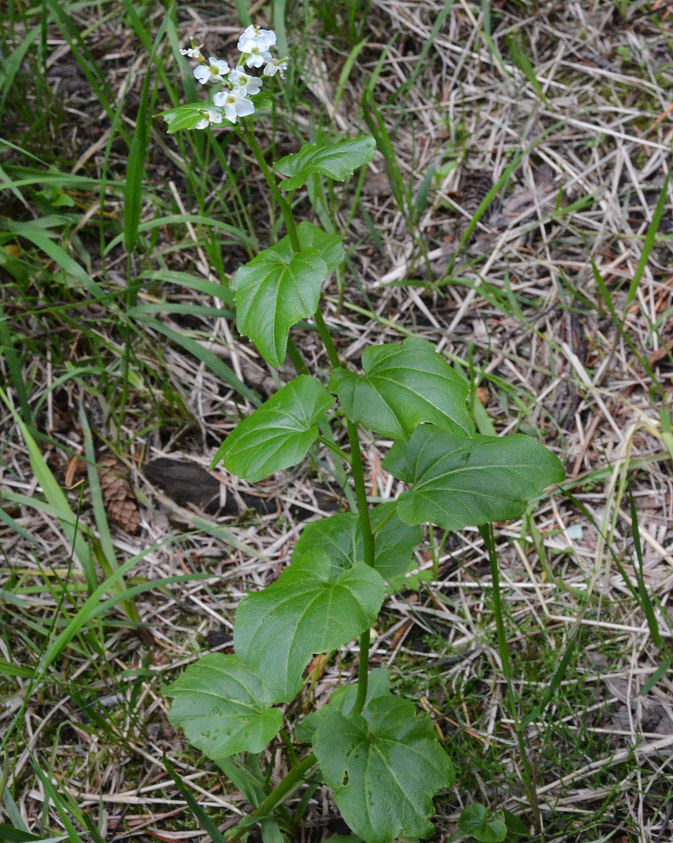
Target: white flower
{"type": "Point", "coordinates": [255, 43]}
{"type": "Point", "coordinates": [257, 57]}
{"type": "Point", "coordinates": [194, 53]}
{"type": "Point", "coordinates": [247, 85]}
{"type": "Point", "coordinates": [253, 36]}
{"type": "Point", "coordinates": [275, 66]}
{"type": "Point", "coordinates": [235, 105]}
{"type": "Point", "coordinates": [214, 71]}
{"type": "Point", "coordinates": [210, 115]}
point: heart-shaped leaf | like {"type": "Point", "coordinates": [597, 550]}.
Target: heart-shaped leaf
{"type": "Point", "coordinates": [273, 292]}
{"type": "Point", "coordinates": [341, 538]}
{"type": "Point", "coordinates": [223, 707]}
{"type": "Point", "coordinates": [329, 245]}
{"type": "Point", "coordinates": [463, 482]}
{"type": "Point", "coordinates": [384, 766]}
{"type": "Point", "coordinates": [281, 286]}
{"type": "Point", "coordinates": [279, 433]}
{"type": "Point", "coordinates": [343, 700]}
{"type": "Point", "coordinates": [334, 160]}
{"type": "Point", "coordinates": [314, 606]}
{"type": "Point", "coordinates": [404, 385]}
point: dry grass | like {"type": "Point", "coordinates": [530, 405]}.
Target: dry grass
{"type": "Point", "coordinates": [539, 299]}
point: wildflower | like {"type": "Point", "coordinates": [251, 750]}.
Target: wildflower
{"type": "Point", "coordinates": [255, 43]}
{"type": "Point", "coordinates": [247, 85]}
{"type": "Point", "coordinates": [234, 103]}
{"type": "Point", "coordinates": [214, 71]}
{"type": "Point", "coordinates": [210, 115]}
{"type": "Point", "coordinates": [194, 53]}
{"type": "Point", "coordinates": [257, 57]}
{"type": "Point", "coordinates": [275, 66]}
{"type": "Point", "coordinates": [253, 36]}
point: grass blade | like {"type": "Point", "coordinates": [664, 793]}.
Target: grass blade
{"type": "Point", "coordinates": [11, 65]}
{"type": "Point", "coordinates": [107, 556]}
{"type": "Point", "coordinates": [643, 594]}
{"type": "Point", "coordinates": [206, 357]}
{"type": "Point", "coordinates": [377, 127]}
{"type": "Point", "coordinates": [30, 231]}
{"type": "Point", "coordinates": [520, 58]}
{"type": "Point", "coordinates": [183, 219]}
{"type": "Point", "coordinates": [650, 236]}
{"type": "Point", "coordinates": [56, 497]}
{"type": "Point", "coordinates": [206, 823]}
{"type": "Point", "coordinates": [13, 835]}
{"type": "Point", "coordinates": [420, 61]}
{"type": "Point", "coordinates": [8, 349]}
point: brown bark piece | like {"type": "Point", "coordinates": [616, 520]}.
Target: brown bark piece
{"type": "Point", "coordinates": [120, 502]}
{"type": "Point", "coordinates": [183, 481]}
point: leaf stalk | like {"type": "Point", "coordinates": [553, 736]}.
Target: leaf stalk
{"type": "Point", "coordinates": [282, 790]}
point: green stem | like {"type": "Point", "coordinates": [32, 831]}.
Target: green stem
{"type": "Point", "coordinates": [282, 790]}
{"type": "Point", "coordinates": [361, 492]}
{"type": "Point", "coordinates": [282, 202]}
{"type": "Point", "coordinates": [295, 356]}
{"type": "Point", "coordinates": [369, 548]}
{"type": "Point", "coordinates": [335, 449]}
{"type": "Point", "coordinates": [326, 338]}
{"type": "Point", "coordinates": [363, 673]}
{"type": "Point", "coordinates": [353, 438]}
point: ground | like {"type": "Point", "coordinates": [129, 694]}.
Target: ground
{"type": "Point", "coordinates": [518, 215]}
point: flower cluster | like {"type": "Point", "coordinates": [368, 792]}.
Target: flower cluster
{"type": "Point", "coordinates": [233, 100]}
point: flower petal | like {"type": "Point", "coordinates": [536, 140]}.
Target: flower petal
{"type": "Point", "coordinates": [202, 73]}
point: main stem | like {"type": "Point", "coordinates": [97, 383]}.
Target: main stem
{"type": "Point", "coordinates": [293, 779]}
{"type": "Point", "coordinates": [353, 438]}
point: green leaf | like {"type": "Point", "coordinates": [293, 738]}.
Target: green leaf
{"type": "Point", "coordinates": [279, 433]}
{"type": "Point", "coordinates": [273, 293]}
{"type": "Point", "coordinates": [329, 245]}
{"type": "Point", "coordinates": [343, 700]}
{"type": "Point", "coordinates": [475, 820]}
{"type": "Point", "coordinates": [404, 385]}
{"type": "Point", "coordinates": [9, 668]}
{"type": "Point", "coordinates": [395, 541]}
{"type": "Point", "coordinates": [223, 707]}
{"type": "Point", "coordinates": [334, 160]}
{"type": "Point", "coordinates": [462, 482]}
{"type": "Point", "coordinates": [187, 116]}
{"type": "Point", "coordinates": [313, 607]}
{"type": "Point", "coordinates": [341, 538]}
{"type": "Point", "coordinates": [262, 100]}
{"type": "Point", "coordinates": [413, 581]}
{"type": "Point", "coordinates": [279, 287]}
{"type": "Point", "coordinates": [271, 832]}
{"type": "Point", "coordinates": [384, 766]}
{"type": "Point", "coordinates": [515, 825]}
{"type": "Point", "coordinates": [15, 835]}
{"type": "Point", "coordinates": [135, 168]}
